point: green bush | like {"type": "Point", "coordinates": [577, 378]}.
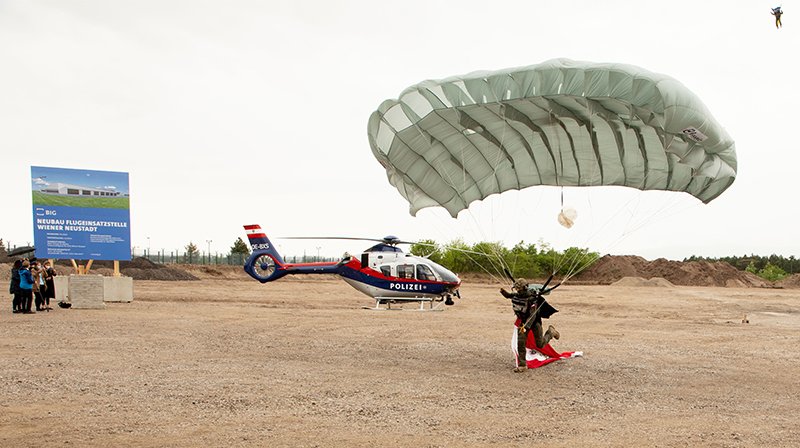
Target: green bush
{"type": "Point", "coordinates": [772, 273]}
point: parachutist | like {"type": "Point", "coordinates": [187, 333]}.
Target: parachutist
{"type": "Point", "coordinates": [530, 308]}
{"type": "Point", "coordinates": [777, 12]}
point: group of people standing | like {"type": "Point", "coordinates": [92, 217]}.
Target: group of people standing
{"type": "Point", "coordinates": [32, 283]}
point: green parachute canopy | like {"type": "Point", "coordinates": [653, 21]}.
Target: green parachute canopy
{"type": "Point", "coordinates": [458, 140]}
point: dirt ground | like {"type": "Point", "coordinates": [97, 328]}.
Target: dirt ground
{"type": "Point", "coordinates": [299, 363]}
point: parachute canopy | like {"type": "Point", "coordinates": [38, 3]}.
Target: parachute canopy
{"type": "Point", "coordinates": [454, 141]}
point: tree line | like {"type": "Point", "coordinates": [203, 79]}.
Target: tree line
{"type": "Point", "coordinates": [773, 267]}
{"type": "Point", "coordinates": [523, 260]}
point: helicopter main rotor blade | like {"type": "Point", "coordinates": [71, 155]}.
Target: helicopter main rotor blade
{"type": "Point", "coordinates": [379, 240]}
{"type": "Point", "coordinates": [328, 238]}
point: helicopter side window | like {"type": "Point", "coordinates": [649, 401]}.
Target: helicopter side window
{"type": "Point", "coordinates": [405, 271]}
{"type": "Point", "coordinates": [424, 273]}
{"type": "Point", "coordinates": [386, 270]}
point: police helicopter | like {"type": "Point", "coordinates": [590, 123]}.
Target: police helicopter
{"type": "Point", "coordinates": [383, 271]}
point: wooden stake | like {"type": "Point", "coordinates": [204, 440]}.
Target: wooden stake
{"type": "Point", "coordinates": [75, 265]}
{"type": "Point", "coordinates": [116, 268]}
{"type": "Point", "coordinates": [88, 266]}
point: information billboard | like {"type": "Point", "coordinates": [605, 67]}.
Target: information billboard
{"type": "Point", "coordinates": [81, 214]}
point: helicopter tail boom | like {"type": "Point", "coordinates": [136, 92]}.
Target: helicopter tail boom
{"type": "Point", "coordinates": [265, 264]}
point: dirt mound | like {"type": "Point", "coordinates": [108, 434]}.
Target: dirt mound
{"type": "Point", "coordinates": [139, 269]}
{"type": "Point", "coordinates": [220, 271]}
{"type": "Point", "coordinates": [609, 269]}
{"type": "Point", "coordinates": [792, 282]}
{"type": "Point", "coordinates": [639, 282]}
{"type": "Point", "coordinates": [165, 273]}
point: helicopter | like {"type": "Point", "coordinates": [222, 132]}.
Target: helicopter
{"type": "Point", "coordinates": [383, 272]}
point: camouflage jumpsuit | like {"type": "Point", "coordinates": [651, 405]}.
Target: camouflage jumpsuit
{"type": "Point", "coordinates": [520, 299]}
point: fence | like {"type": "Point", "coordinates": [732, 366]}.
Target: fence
{"type": "Point", "coordinates": [204, 258]}
{"type": "Point", "coordinates": [177, 256]}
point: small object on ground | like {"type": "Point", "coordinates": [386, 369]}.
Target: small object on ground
{"type": "Point", "coordinates": [745, 320]}
{"type": "Point", "coordinates": [64, 304]}
{"type": "Point", "coordinates": [520, 369]}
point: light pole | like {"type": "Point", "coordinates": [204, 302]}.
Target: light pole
{"type": "Point", "coordinates": [318, 248]}
{"type": "Point", "coordinates": [148, 246]}
{"type": "Point", "coordinates": [209, 250]}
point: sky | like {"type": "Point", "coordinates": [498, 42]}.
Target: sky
{"type": "Point", "coordinates": [244, 112]}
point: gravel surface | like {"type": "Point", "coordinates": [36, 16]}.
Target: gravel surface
{"type": "Point", "coordinates": [299, 363]}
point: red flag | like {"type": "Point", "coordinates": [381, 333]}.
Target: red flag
{"type": "Point", "coordinates": [535, 356]}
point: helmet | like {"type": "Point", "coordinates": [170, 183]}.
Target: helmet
{"type": "Point", "coordinates": [520, 284]}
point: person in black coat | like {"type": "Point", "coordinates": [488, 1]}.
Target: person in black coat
{"type": "Point", "coordinates": [50, 290]}
{"type": "Point", "coordinates": [16, 302]}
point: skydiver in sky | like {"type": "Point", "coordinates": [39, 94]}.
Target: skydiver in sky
{"type": "Point", "coordinates": [777, 13]}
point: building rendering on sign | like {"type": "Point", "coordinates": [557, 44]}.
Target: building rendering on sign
{"type": "Point", "coordinates": [77, 190]}
{"type": "Point", "coordinates": [80, 214]}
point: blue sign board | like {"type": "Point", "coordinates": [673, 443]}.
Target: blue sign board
{"type": "Point", "coordinates": [81, 214]}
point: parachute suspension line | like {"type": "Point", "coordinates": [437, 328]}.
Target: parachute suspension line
{"type": "Point", "coordinates": [559, 260]}
{"type": "Point", "coordinates": [498, 263]}
{"type": "Point", "coordinates": [583, 260]}
{"type": "Point", "coordinates": [496, 260]}
{"type": "Point", "coordinates": [668, 207]}
{"type": "Point", "coordinates": [579, 260]}
{"type": "Point", "coordinates": [453, 183]}
{"type": "Point", "coordinates": [580, 264]}
{"type": "Point", "coordinates": [494, 270]}
{"type": "Point", "coordinates": [632, 224]}
{"type": "Point", "coordinates": [500, 273]}
{"type": "Point", "coordinates": [499, 266]}
{"type": "Point", "coordinates": [667, 210]}
{"type": "Point", "coordinates": [588, 260]}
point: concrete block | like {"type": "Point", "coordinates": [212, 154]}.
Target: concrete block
{"type": "Point", "coordinates": [118, 289]}
{"type": "Point", "coordinates": [61, 282]}
{"type": "Point", "coordinates": [86, 291]}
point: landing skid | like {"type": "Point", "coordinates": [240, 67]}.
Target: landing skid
{"type": "Point", "coordinates": [433, 305]}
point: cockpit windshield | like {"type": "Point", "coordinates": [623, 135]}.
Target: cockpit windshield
{"type": "Point", "coordinates": [445, 274]}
